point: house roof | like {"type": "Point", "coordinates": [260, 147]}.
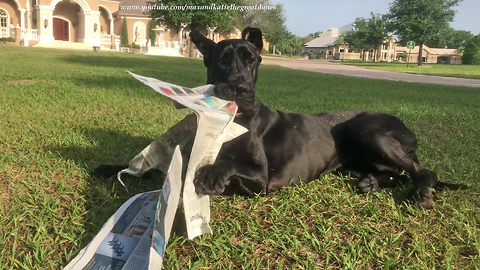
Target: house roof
{"type": "Point", "coordinates": [321, 42]}
{"type": "Point", "coordinates": [132, 12]}
{"type": "Point", "coordinates": [329, 37]}
{"type": "Point", "coordinates": [446, 51]}
{"type": "Point", "coordinates": [435, 51]}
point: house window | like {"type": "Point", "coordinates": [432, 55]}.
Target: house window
{"type": "Point", "coordinates": [424, 59]}
{"type": "Point", "coordinates": [3, 18]}
{"type": "Point", "coordinates": [330, 52]}
{"type": "Point", "coordinates": [350, 51]}
{"type": "Point", "coordinates": [342, 50]}
{"type": "Point", "coordinates": [310, 51]}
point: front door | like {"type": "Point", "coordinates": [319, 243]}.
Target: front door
{"type": "Point", "coordinates": [60, 29]}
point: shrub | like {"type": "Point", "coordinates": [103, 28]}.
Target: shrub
{"type": "Point", "coordinates": [124, 38]}
{"type": "Point", "coordinates": [7, 39]}
{"type": "Point", "coordinates": [312, 56]}
{"type": "Point", "coordinates": [402, 56]}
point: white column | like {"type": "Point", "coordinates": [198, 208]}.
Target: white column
{"type": "Point", "coordinates": [44, 15]}
{"type": "Point", "coordinates": [29, 18]}
{"type": "Point", "coordinates": [187, 43]}
{"type": "Point", "coordinates": [86, 22]}
{"type": "Point", "coordinates": [81, 27]}
{"type": "Point", "coordinates": [111, 27]}
{"type": "Point", "coordinates": [86, 27]}
{"type": "Point", "coordinates": [180, 33]}
{"type": "Point", "coordinates": [22, 18]}
{"type": "Point", "coordinates": [94, 35]}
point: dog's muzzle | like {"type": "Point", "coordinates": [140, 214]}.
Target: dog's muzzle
{"type": "Point", "coordinates": [241, 87]}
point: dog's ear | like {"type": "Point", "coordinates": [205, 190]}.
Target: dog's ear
{"type": "Point", "coordinates": [254, 35]}
{"type": "Point", "coordinates": [203, 44]}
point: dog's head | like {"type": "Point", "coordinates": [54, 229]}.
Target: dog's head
{"type": "Point", "coordinates": [232, 65]}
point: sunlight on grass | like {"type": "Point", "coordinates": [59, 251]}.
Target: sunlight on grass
{"type": "Point", "coordinates": [459, 71]}
{"type": "Point", "coordinates": [64, 112]}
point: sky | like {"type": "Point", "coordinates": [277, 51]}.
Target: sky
{"type": "Point", "coordinates": [309, 16]}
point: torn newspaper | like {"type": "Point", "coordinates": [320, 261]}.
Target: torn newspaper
{"type": "Point", "coordinates": [135, 237]}
{"type": "Point", "coordinates": [126, 248]}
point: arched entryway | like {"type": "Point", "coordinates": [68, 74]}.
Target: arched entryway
{"type": "Point", "coordinates": [106, 20]}
{"type": "Point", "coordinates": [9, 13]}
{"type": "Point", "coordinates": [65, 21]}
{"type": "Point", "coordinates": [61, 29]}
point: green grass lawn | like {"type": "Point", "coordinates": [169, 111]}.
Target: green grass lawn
{"type": "Point", "coordinates": [460, 71]}
{"type": "Point", "coordinates": [64, 112]}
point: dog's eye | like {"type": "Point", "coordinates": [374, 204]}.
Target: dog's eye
{"type": "Point", "coordinates": [251, 60]}
{"type": "Point", "coordinates": [224, 60]}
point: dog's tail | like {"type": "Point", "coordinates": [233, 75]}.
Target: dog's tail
{"type": "Point", "coordinates": [442, 186]}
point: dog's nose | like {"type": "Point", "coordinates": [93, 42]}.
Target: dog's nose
{"type": "Point", "coordinates": [243, 87]}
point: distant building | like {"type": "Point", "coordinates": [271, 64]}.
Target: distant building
{"type": "Point", "coordinates": [328, 45]}
{"type": "Point", "coordinates": [430, 55]}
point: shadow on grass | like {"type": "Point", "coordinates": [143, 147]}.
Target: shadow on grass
{"type": "Point", "coordinates": [104, 196]}
{"type": "Point", "coordinates": [402, 193]}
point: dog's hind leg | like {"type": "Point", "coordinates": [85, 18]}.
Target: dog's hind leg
{"type": "Point", "coordinates": [391, 151]}
{"type": "Point", "coordinates": [374, 182]}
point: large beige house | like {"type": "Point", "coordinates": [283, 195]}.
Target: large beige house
{"type": "Point", "coordinates": [87, 23]}
{"type": "Point", "coordinates": [429, 55]}
{"type": "Point", "coordinates": [45, 21]}
{"type": "Point", "coordinates": [330, 46]}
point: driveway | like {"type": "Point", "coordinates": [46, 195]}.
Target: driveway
{"type": "Point", "coordinates": [336, 68]}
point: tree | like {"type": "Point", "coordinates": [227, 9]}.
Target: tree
{"type": "Point", "coordinates": [420, 20]}
{"type": "Point", "coordinates": [124, 37]}
{"type": "Point", "coordinates": [290, 44]}
{"type": "Point", "coordinates": [459, 38]}
{"type": "Point", "coordinates": [367, 35]}
{"type": "Point", "coordinates": [174, 17]}
{"type": "Point", "coordinates": [315, 34]}
{"type": "Point", "coordinates": [450, 38]}
{"type": "Point", "coordinates": [377, 33]}
{"type": "Point", "coordinates": [270, 21]}
{"type": "Point", "coordinates": [310, 37]}
{"type": "Point", "coordinates": [356, 38]}
{"type": "Point", "coordinates": [471, 53]}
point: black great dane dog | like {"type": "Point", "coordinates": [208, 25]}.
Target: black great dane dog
{"type": "Point", "coordinates": [283, 149]}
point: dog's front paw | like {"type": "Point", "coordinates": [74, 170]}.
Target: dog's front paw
{"type": "Point", "coordinates": [210, 180]}
{"type": "Point", "coordinates": [224, 91]}
{"type": "Point", "coordinates": [424, 197]}
{"type": "Point", "coordinates": [368, 185]}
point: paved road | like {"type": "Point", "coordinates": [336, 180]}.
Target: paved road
{"type": "Point", "coordinates": [335, 68]}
